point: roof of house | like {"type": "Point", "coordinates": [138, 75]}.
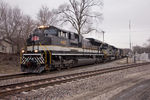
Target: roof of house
{"type": "Point", "coordinates": [1, 43]}
{"type": "Point", "coordinates": [5, 40]}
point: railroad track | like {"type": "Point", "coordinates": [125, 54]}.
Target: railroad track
{"type": "Point", "coordinates": [20, 75]}
{"type": "Point", "coordinates": [11, 76]}
{"type": "Point", "coordinates": [36, 84]}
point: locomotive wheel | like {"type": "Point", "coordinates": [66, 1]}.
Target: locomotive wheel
{"type": "Point", "coordinates": [59, 68]}
{"type": "Point", "coordinates": [96, 62]}
{"type": "Point", "coordinates": [69, 66]}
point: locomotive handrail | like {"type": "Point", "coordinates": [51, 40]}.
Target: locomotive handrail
{"type": "Point", "coordinates": [21, 57]}
{"type": "Point", "coordinates": [46, 53]}
{"type": "Point", "coordinates": [21, 54]}
{"type": "Point", "coordinates": [49, 54]}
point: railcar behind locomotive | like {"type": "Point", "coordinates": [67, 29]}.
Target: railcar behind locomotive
{"type": "Point", "coordinates": [49, 47]}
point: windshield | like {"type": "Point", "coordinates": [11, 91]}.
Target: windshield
{"type": "Point", "coordinates": [38, 31]}
{"type": "Point", "coordinates": [105, 46]}
{"type": "Point", "coordinates": [47, 31]}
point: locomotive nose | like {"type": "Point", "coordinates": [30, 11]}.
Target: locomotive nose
{"type": "Point", "coordinates": [32, 63]}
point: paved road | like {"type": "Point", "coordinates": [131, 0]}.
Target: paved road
{"type": "Point", "coordinates": [134, 84]}
{"type": "Point", "coordinates": [140, 91]}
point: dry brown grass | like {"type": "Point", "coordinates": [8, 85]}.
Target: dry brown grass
{"type": "Point", "coordinates": [9, 63]}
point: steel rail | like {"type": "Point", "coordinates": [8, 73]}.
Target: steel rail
{"type": "Point", "coordinates": [11, 76]}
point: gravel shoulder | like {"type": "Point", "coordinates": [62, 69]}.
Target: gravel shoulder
{"type": "Point", "coordinates": [9, 63]}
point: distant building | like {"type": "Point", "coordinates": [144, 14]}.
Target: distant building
{"type": "Point", "coordinates": [7, 46]}
{"type": "Point", "coordinates": [143, 57]}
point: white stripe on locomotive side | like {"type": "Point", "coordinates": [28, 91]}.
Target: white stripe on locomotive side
{"type": "Point", "coordinates": [60, 48]}
{"type": "Point", "coordinates": [77, 54]}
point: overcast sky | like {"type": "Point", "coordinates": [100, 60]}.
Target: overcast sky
{"type": "Point", "coordinates": [117, 14]}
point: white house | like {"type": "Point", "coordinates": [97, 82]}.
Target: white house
{"type": "Point", "coordinates": [6, 46]}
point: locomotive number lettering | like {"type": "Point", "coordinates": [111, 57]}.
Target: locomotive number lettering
{"type": "Point", "coordinates": [63, 42]}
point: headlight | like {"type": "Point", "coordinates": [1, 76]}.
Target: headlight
{"type": "Point", "coordinates": [35, 51]}
{"type": "Point", "coordinates": [22, 51]}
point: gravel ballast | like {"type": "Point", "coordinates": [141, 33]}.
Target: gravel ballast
{"type": "Point", "coordinates": [100, 87]}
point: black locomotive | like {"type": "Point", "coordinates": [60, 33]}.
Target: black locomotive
{"type": "Point", "coordinates": [49, 47]}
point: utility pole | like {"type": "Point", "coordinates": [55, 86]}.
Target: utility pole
{"type": "Point", "coordinates": [130, 34]}
{"type": "Point", "coordinates": [103, 35]}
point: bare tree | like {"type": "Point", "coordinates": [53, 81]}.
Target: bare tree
{"type": "Point", "coordinates": [14, 25]}
{"type": "Point", "coordinates": [140, 49]}
{"type": "Point", "coordinates": [4, 9]}
{"type": "Point", "coordinates": [28, 26]}
{"type": "Point", "coordinates": [47, 17]}
{"type": "Point", "coordinates": [80, 14]}
{"type": "Point", "coordinates": [149, 42]}
{"type": "Point", "coordinates": [10, 21]}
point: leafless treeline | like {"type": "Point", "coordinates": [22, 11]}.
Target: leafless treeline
{"type": "Point", "coordinates": [47, 17]}
{"type": "Point", "coordinates": [80, 14]}
{"type": "Point", "coordinates": [14, 25]}
{"type": "Point", "coordinates": [140, 49]}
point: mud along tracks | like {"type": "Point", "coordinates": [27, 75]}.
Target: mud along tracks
{"type": "Point", "coordinates": [29, 85]}
{"type": "Point", "coordinates": [11, 76]}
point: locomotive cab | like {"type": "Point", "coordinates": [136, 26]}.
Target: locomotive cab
{"type": "Point", "coordinates": [37, 58]}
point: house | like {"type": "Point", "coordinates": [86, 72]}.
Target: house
{"type": "Point", "coordinates": [7, 46]}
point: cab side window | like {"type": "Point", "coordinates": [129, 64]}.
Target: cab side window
{"type": "Point", "coordinates": [63, 34]}
{"type": "Point", "coordinates": [69, 35]}
{"type": "Point", "coordinates": [72, 37]}
{"type": "Point", "coordinates": [50, 32]}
